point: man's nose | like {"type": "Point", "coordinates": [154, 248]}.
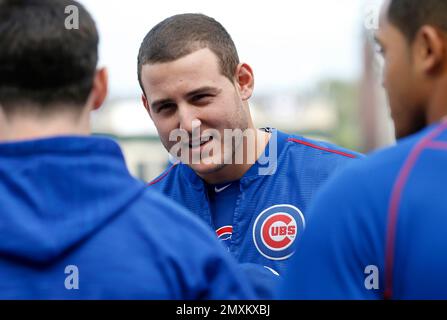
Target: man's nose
{"type": "Point", "coordinates": [189, 119]}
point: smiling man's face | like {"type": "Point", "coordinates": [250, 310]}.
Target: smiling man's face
{"type": "Point", "coordinates": [193, 91]}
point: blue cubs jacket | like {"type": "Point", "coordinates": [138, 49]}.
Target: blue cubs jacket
{"type": "Point", "coordinates": [271, 208]}
{"type": "Point", "coordinates": [74, 224]}
{"type": "Point", "coordinates": [378, 229]}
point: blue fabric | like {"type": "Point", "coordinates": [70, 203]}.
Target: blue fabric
{"type": "Point", "coordinates": [222, 199]}
{"type": "Point", "coordinates": [71, 201]}
{"type": "Point", "coordinates": [300, 168]}
{"type": "Point", "coordinates": [349, 221]}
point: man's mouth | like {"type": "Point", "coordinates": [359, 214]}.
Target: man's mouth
{"type": "Point", "coordinates": [201, 143]}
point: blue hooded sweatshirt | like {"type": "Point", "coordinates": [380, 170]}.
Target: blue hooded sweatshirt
{"type": "Point", "coordinates": [74, 224]}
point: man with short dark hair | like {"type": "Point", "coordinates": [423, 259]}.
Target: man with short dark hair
{"type": "Point", "coordinates": [377, 230]}
{"type": "Point", "coordinates": [74, 224]}
{"type": "Point", "coordinates": [251, 186]}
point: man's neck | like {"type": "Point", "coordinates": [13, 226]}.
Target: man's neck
{"type": "Point", "coordinates": [22, 127]}
{"type": "Point", "coordinates": [233, 172]}
{"type": "Point", "coordinates": [437, 110]}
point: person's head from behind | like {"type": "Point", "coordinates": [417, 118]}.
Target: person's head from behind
{"type": "Point", "coordinates": [190, 74]}
{"type": "Point", "coordinates": [47, 71]}
{"type": "Point", "coordinates": [412, 35]}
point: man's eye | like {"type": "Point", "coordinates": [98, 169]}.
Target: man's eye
{"type": "Point", "coordinates": [200, 97]}
{"type": "Point", "coordinates": [165, 107]}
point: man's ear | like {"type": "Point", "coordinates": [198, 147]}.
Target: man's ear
{"type": "Point", "coordinates": [99, 89]}
{"type": "Point", "coordinates": [245, 80]}
{"type": "Point", "coordinates": [146, 104]}
{"type": "Point", "coordinates": [429, 49]}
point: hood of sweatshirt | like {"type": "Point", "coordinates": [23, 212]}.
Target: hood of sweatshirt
{"type": "Point", "coordinates": [57, 192]}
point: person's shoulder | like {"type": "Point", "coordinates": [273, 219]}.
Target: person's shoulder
{"type": "Point", "coordinates": [375, 173]}
{"type": "Point", "coordinates": [167, 220]}
{"type": "Point", "coordinates": [357, 198]}
{"type": "Point", "coordinates": [164, 210]}
{"type": "Point", "coordinates": [167, 234]}
{"type": "Point", "coordinates": [325, 158]}
{"type": "Point", "coordinates": [168, 175]}
{"type": "Point", "coordinates": [392, 156]}
{"type": "Point", "coordinates": [321, 148]}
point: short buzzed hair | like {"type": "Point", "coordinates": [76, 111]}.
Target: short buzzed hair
{"type": "Point", "coordinates": [41, 62]}
{"type": "Point", "coordinates": [180, 35]}
{"type": "Point", "coordinates": [410, 15]}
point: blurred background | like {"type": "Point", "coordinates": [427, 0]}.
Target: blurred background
{"type": "Point", "coordinates": [316, 70]}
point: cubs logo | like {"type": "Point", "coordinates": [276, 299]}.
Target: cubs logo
{"type": "Point", "coordinates": [224, 233]}
{"type": "Point", "coordinates": [276, 229]}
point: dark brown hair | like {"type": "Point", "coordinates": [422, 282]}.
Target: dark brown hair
{"type": "Point", "coordinates": [410, 15]}
{"type": "Point", "coordinates": [180, 35]}
{"type": "Point", "coordinates": [43, 63]}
